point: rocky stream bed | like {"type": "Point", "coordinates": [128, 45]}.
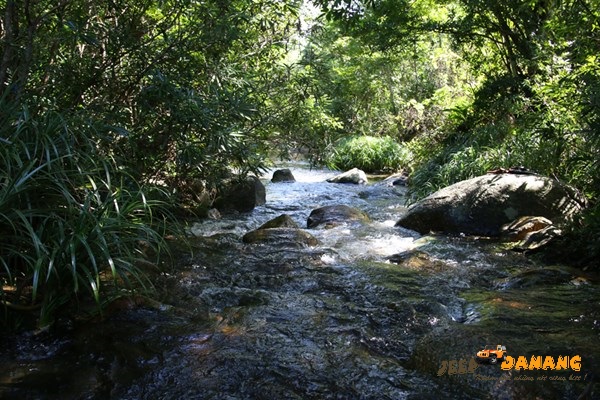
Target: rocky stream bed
{"type": "Point", "coordinates": [370, 312]}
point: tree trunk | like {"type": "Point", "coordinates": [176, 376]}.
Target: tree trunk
{"type": "Point", "coordinates": [508, 44]}
{"type": "Point", "coordinates": [8, 37]}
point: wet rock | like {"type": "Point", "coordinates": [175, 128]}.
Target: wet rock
{"type": "Point", "coordinates": [219, 298]}
{"type": "Point", "coordinates": [336, 214]}
{"type": "Point", "coordinates": [129, 303]}
{"type": "Point", "coordinates": [482, 205]}
{"type": "Point", "coordinates": [442, 348]}
{"type": "Point", "coordinates": [400, 179]}
{"type": "Point", "coordinates": [447, 347]}
{"type": "Point", "coordinates": [213, 213]}
{"type": "Point", "coordinates": [418, 260]}
{"type": "Point", "coordinates": [241, 196]}
{"type": "Point", "coordinates": [282, 237]}
{"type": "Point", "coordinates": [283, 175]}
{"type": "Point", "coordinates": [447, 343]}
{"type": "Point", "coordinates": [537, 277]}
{"type": "Point", "coordinates": [355, 176]}
{"type": "Point", "coordinates": [281, 231]}
{"type": "Point", "coordinates": [283, 221]}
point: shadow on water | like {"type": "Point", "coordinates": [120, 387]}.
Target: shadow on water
{"type": "Point", "coordinates": [334, 321]}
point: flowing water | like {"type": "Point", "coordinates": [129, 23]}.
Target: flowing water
{"type": "Point", "coordinates": [334, 321]}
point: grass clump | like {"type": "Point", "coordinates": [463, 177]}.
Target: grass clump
{"type": "Point", "coordinates": [369, 153]}
{"type": "Point", "coordinates": [73, 225]}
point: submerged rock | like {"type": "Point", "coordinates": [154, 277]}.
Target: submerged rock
{"type": "Point", "coordinates": [355, 176]}
{"type": "Point", "coordinates": [418, 260]}
{"type": "Point", "coordinates": [537, 277]}
{"type": "Point", "coordinates": [335, 215]}
{"type": "Point", "coordinates": [281, 231]}
{"type": "Point", "coordinates": [281, 236]}
{"type": "Point", "coordinates": [482, 205]}
{"type": "Point", "coordinates": [283, 175]}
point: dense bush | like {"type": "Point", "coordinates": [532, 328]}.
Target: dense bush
{"type": "Point", "coordinates": [102, 100]}
{"type": "Point", "coordinates": [532, 125]}
{"type": "Point", "coordinates": [73, 226]}
{"type": "Point", "coordinates": [369, 153]}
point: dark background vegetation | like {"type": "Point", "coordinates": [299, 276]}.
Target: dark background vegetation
{"type": "Point", "coordinates": [115, 115]}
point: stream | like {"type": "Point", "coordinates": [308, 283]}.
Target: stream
{"type": "Point", "coordinates": [372, 312]}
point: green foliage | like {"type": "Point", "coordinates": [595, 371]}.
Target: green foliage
{"type": "Point", "coordinates": [103, 100]}
{"type": "Point", "coordinates": [181, 86]}
{"type": "Point", "coordinates": [304, 126]}
{"type": "Point", "coordinates": [342, 86]}
{"type": "Point", "coordinates": [580, 244]}
{"type": "Point", "coordinates": [73, 225]}
{"type": "Point", "coordinates": [369, 153]}
{"type": "Point", "coordinates": [586, 237]}
{"type": "Point", "coordinates": [501, 130]}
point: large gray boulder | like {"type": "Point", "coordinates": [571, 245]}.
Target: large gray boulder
{"type": "Point", "coordinates": [355, 176]}
{"type": "Point", "coordinates": [482, 205]}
